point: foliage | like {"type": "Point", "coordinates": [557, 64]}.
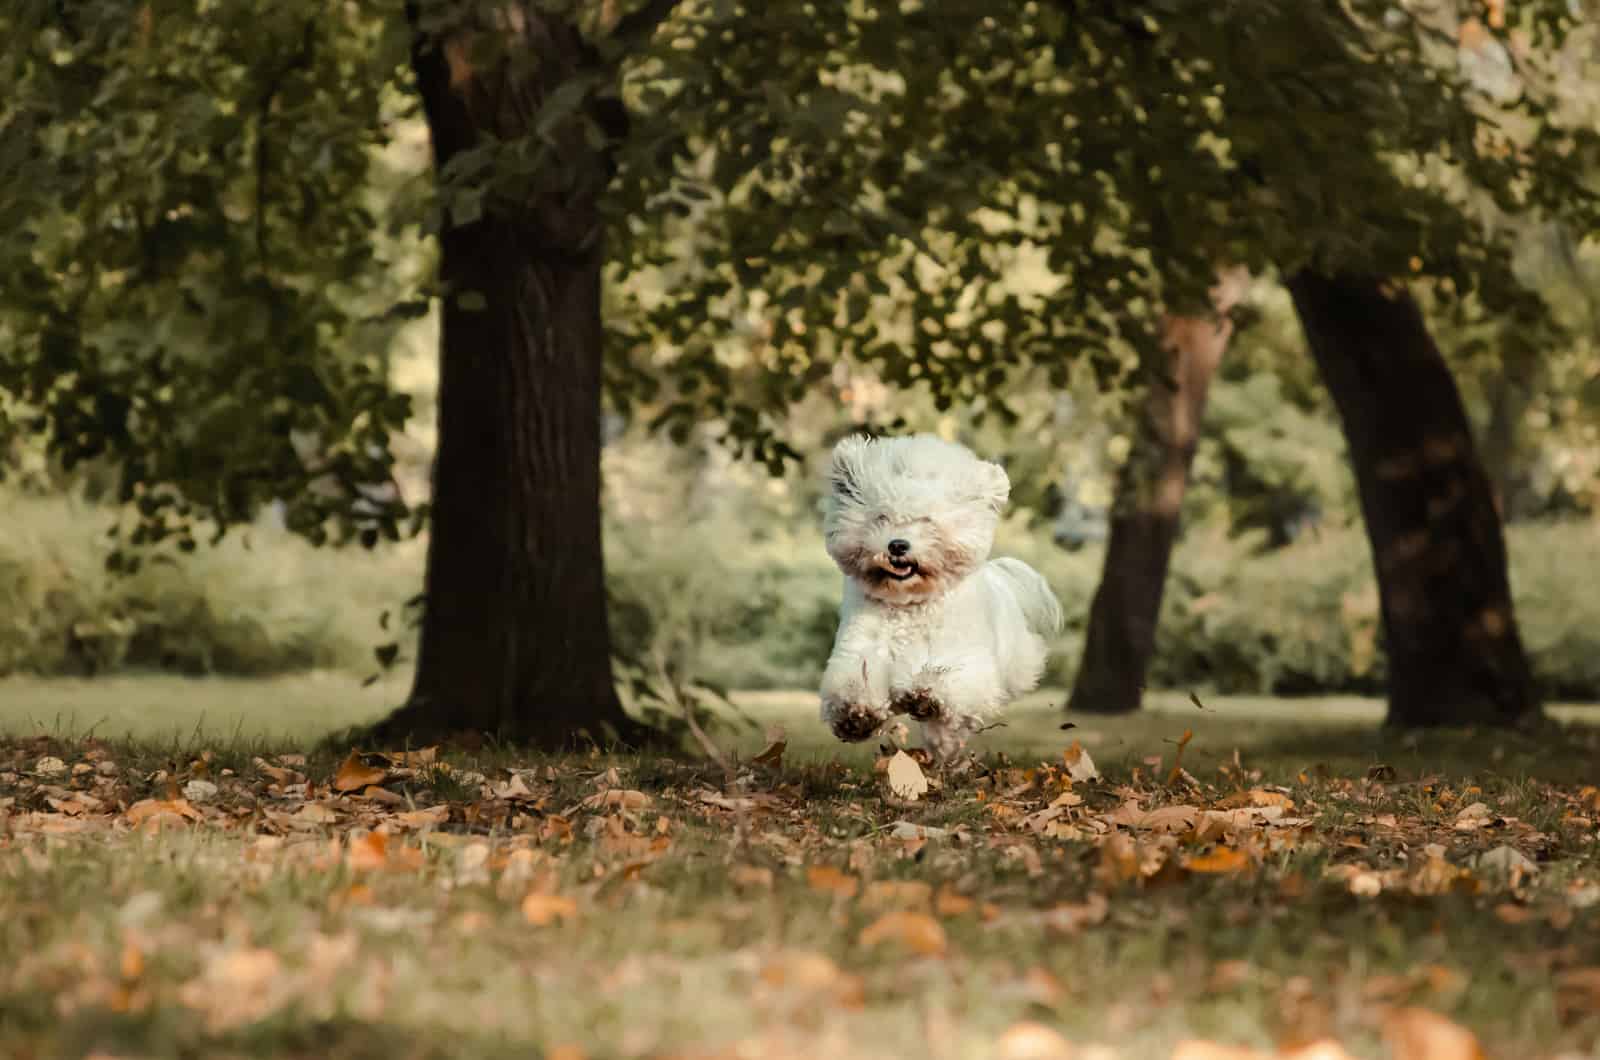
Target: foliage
{"type": "Point", "coordinates": [259, 603]}
{"type": "Point", "coordinates": [191, 241]}
{"type": "Point", "coordinates": [203, 898]}
{"type": "Point", "coordinates": [864, 183]}
{"type": "Point", "coordinates": [958, 196]}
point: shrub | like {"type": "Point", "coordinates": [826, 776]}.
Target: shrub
{"type": "Point", "coordinates": [725, 600]}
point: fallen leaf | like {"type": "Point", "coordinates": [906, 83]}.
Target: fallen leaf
{"type": "Point", "coordinates": [317, 813]}
{"type": "Point", "coordinates": [1471, 818]}
{"type": "Point", "coordinates": [905, 831]}
{"type": "Point", "coordinates": [1075, 916]}
{"type": "Point", "coordinates": [146, 809]}
{"type": "Point", "coordinates": [49, 766]}
{"type": "Point", "coordinates": [1160, 819]}
{"type": "Point", "coordinates": [541, 910]}
{"type": "Point", "coordinates": [1194, 1049]}
{"type": "Point", "coordinates": [354, 774]}
{"type": "Point", "coordinates": [1032, 1041]}
{"type": "Point", "coordinates": [1080, 767]}
{"type": "Point", "coordinates": [1508, 862]}
{"type": "Point", "coordinates": [750, 876]}
{"type": "Point", "coordinates": [617, 799]}
{"type": "Point", "coordinates": [427, 818]}
{"type": "Point", "coordinates": [1577, 993]}
{"type": "Point", "coordinates": [917, 932]}
{"type": "Point", "coordinates": [949, 903]}
{"type": "Point", "coordinates": [1322, 1049]}
{"type": "Point", "coordinates": [882, 894]}
{"type": "Point", "coordinates": [369, 852]}
{"type": "Point", "coordinates": [777, 743]}
{"type": "Point", "coordinates": [905, 777]}
{"type": "Point", "coordinates": [423, 756]}
{"type": "Point", "coordinates": [199, 791]}
{"type": "Point", "coordinates": [814, 973]}
{"type": "Point", "coordinates": [830, 880]}
{"type": "Point", "coordinates": [1417, 1034]}
{"type": "Point", "coordinates": [1221, 861]}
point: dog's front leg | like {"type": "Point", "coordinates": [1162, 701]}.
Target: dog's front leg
{"type": "Point", "coordinates": [950, 697]}
{"type": "Point", "coordinates": [855, 685]}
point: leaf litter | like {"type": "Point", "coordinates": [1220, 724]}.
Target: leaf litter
{"type": "Point", "coordinates": [911, 869]}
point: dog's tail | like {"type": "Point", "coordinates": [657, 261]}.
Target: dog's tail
{"type": "Point", "coordinates": [1039, 605]}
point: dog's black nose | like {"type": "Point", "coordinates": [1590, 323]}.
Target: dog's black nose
{"type": "Point", "coordinates": [899, 547]}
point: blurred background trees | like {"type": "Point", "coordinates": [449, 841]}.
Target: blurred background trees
{"type": "Point", "coordinates": [791, 223]}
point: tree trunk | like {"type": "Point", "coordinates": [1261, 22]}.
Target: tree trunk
{"type": "Point", "coordinates": [515, 639]}
{"type": "Point", "coordinates": [1455, 656]}
{"type": "Point", "coordinates": [1144, 523]}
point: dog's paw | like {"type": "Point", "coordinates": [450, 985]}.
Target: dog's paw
{"type": "Point", "coordinates": [851, 721]}
{"type": "Point", "coordinates": [922, 699]}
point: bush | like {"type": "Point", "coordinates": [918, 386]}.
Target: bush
{"type": "Point", "coordinates": [726, 600]}
{"type": "Point", "coordinates": [260, 602]}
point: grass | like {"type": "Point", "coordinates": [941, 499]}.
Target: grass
{"type": "Point", "coordinates": [777, 913]}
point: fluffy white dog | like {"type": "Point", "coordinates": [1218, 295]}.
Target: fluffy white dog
{"type": "Point", "coordinates": [927, 628]}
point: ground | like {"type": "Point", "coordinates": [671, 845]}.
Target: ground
{"type": "Point", "coordinates": [1298, 876]}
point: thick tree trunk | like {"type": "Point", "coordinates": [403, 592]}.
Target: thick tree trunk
{"type": "Point", "coordinates": [514, 635]}
{"type": "Point", "coordinates": [1144, 523]}
{"type": "Point", "coordinates": [1455, 657]}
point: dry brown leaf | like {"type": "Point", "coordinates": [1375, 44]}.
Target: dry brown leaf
{"type": "Point", "coordinates": [1221, 861]}
{"type": "Point", "coordinates": [317, 813]}
{"type": "Point", "coordinates": [750, 876]}
{"type": "Point", "coordinates": [1075, 916]}
{"type": "Point", "coordinates": [1032, 1041]}
{"type": "Point", "coordinates": [422, 756]}
{"type": "Point", "coordinates": [1417, 1034]}
{"type": "Point", "coordinates": [354, 774]}
{"type": "Point", "coordinates": [815, 974]}
{"type": "Point", "coordinates": [541, 910]}
{"type": "Point", "coordinates": [426, 818]}
{"type": "Point", "coordinates": [777, 743]}
{"type": "Point", "coordinates": [1080, 767]}
{"type": "Point", "coordinates": [147, 809]}
{"type": "Point", "coordinates": [906, 780]}
{"type": "Point", "coordinates": [882, 894]}
{"type": "Point", "coordinates": [1195, 1049]}
{"type": "Point", "coordinates": [383, 796]}
{"type": "Point", "coordinates": [1321, 1049]}
{"type": "Point", "coordinates": [1577, 993]}
{"type": "Point", "coordinates": [1161, 819]}
{"type": "Point", "coordinates": [565, 1051]}
{"type": "Point", "coordinates": [831, 880]}
{"type": "Point", "coordinates": [1263, 797]}
{"type": "Point", "coordinates": [617, 799]}
{"type": "Point", "coordinates": [917, 932]}
{"type": "Point", "coordinates": [949, 903]}
{"type": "Point", "coordinates": [369, 852]}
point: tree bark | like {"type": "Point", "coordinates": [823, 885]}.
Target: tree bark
{"type": "Point", "coordinates": [514, 638]}
{"type": "Point", "coordinates": [1450, 632]}
{"type": "Point", "coordinates": [1121, 635]}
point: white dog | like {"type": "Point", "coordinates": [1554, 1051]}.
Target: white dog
{"type": "Point", "coordinates": [927, 627]}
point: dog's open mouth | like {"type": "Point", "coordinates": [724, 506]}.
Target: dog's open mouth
{"type": "Point", "coordinates": [898, 568]}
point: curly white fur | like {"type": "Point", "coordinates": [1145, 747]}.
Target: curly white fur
{"type": "Point", "coordinates": [929, 626]}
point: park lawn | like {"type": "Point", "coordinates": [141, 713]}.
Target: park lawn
{"type": "Point", "coordinates": [1330, 881]}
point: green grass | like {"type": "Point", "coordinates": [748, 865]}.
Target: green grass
{"type": "Point", "coordinates": [699, 929]}
{"type": "Point", "coordinates": [1340, 733]}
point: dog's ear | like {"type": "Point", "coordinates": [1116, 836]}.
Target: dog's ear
{"type": "Point", "coordinates": [994, 488]}
{"type": "Point", "coordinates": [844, 471]}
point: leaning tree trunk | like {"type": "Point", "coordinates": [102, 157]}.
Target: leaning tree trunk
{"type": "Point", "coordinates": [1144, 522]}
{"type": "Point", "coordinates": [1455, 657]}
{"type": "Point", "coordinates": [514, 632]}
